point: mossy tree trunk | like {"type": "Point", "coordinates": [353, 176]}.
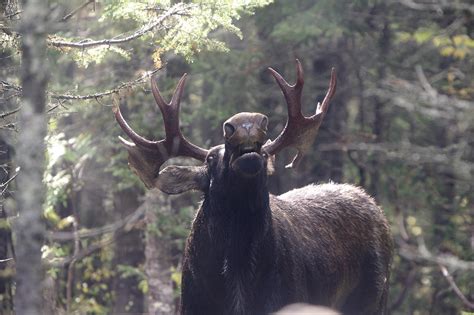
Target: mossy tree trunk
{"type": "Point", "coordinates": [29, 228]}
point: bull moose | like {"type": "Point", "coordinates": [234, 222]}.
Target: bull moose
{"type": "Point", "coordinates": [250, 252]}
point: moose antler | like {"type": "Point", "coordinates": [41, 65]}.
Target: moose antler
{"type": "Point", "coordinates": [145, 156]}
{"type": "Point", "coordinates": [299, 131]}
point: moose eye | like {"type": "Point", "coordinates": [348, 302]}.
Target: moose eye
{"type": "Point", "coordinates": [228, 130]}
{"type": "Point", "coordinates": [210, 158]}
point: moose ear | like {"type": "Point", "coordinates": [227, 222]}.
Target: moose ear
{"type": "Point", "coordinates": [177, 179]}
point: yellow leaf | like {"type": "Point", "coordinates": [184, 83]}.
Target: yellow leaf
{"type": "Point", "coordinates": [416, 230]}
{"type": "Point", "coordinates": [157, 58]}
{"type": "Point", "coordinates": [411, 220]}
{"type": "Point", "coordinates": [143, 286]}
{"type": "Point", "coordinates": [458, 40]}
{"type": "Point", "coordinates": [65, 222]}
{"type": "Point", "coordinates": [460, 53]}
{"type": "Point", "coordinates": [447, 51]}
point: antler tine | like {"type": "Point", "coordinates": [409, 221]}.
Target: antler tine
{"type": "Point", "coordinates": [292, 93]}
{"type": "Point", "coordinates": [136, 138]}
{"type": "Point", "coordinates": [323, 108]}
{"type": "Point", "coordinates": [299, 131]}
{"type": "Point", "coordinates": [146, 157]}
{"type": "Point", "coordinates": [176, 144]}
{"type": "Point", "coordinates": [157, 95]}
{"type": "Point", "coordinates": [178, 92]}
{"type": "Point", "coordinates": [170, 111]}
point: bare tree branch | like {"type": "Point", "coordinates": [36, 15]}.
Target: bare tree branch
{"type": "Point", "coordinates": [81, 254]}
{"type": "Point", "coordinates": [425, 83]}
{"type": "Point", "coordinates": [455, 288]}
{"type": "Point", "coordinates": [121, 226]}
{"type": "Point", "coordinates": [422, 254]}
{"type": "Point", "coordinates": [409, 280]}
{"type": "Point", "coordinates": [179, 8]}
{"type": "Point", "coordinates": [411, 154]}
{"type": "Point", "coordinates": [9, 86]}
{"type": "Point", "coordinates": [437, 5]}
{"type": "Point", "coordinates": [124, 223]}
{"type": "Point", "coordinates": [6, 114]}
{"type": "Point", "coordinates": [79, 8]}
{"type": "Point", "coordinates": [117, 89]}
{"type": "Point", "coordinates": [97, 95]}
{"type": "Point", "coordinates": [9, 16]}
{"type": "Point", "coordinates": [423, 99]}
{"type": "Point", "coordinates": [4, 186]}
{"type": "Point", "coordinates": [9, 126]}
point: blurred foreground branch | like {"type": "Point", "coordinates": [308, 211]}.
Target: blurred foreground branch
{"type": "Point", "coordinates": [421, 253]}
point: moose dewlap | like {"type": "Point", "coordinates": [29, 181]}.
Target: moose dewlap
{"type": "Point", "coordinates": [250, 252]}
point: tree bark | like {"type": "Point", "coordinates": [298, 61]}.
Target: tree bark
{"type": "Point", "coordinates": [379, 121]}
{"type": "Point", "coordinates": [128, 251]}
{"type": "Point", "coordinates": [158, 258]}
{"type": "Point", "coordinates": [29, 229]}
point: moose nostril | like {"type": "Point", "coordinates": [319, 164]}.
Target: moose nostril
{"type": "Point", "coordinates": [228, 130]}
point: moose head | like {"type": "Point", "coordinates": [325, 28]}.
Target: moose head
{"type": "Point", "coordinates": [245, 153]}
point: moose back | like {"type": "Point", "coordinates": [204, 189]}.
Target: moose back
{"type": "Point", "coordinates": [250, 252]}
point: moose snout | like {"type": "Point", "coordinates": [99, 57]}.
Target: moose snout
{"type": "Point", "coordinates": [246, 131]}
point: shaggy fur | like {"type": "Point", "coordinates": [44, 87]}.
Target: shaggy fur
{"type": "Point", "coordinates": [250, 252]}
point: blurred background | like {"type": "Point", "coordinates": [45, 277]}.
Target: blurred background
{"type": "Point", "coordinates": [400, 126]}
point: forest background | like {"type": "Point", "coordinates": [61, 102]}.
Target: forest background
{"type": "Point", "coordinates": [78, 223]}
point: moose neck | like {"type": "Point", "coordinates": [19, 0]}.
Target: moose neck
{"type": "Point", "coordinates": [239, 217]}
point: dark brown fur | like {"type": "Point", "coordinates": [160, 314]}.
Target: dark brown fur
{"type": "Point", "coordinates": [252, 253]}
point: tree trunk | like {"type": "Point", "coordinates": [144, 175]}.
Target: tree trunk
{"type": "Point", "coordinates": [7, 104]}
{"type": "Point", "coordinates": [379, 122]}
{"type": "Point", "coordinates": [158, 258]}
{"type": "Point", "coordinates": [128, 251]}
{"type": "Point", "coordinates": [29, 229]}
{"type": "Point", "coordinates": [6, 249]}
